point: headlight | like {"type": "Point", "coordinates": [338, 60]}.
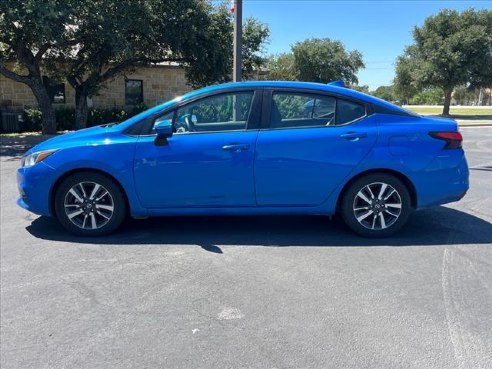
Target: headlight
{"type": "Point", "coordinates": [36, 157]}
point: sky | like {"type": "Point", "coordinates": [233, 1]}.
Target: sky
{"type": "Point", "coordinates": [380, 30]}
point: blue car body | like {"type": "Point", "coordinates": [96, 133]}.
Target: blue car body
{"type": "Point", "coordinates": [258, 170]}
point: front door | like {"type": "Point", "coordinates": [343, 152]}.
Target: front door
{"type": "Point", "coordinates": [208, 162]}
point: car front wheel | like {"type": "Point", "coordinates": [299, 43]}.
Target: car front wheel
{"type": "Point", "coordinates": [90, 204]}
{"type": "Point", "coordinates": [376, 205]}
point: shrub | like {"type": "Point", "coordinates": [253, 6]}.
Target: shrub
{"type": "Point", "coordinates": [432, 96]}
{"type": "Point", "coordinates": [65, 117]}
{"type": "Point", "coordinates": [33, 119]}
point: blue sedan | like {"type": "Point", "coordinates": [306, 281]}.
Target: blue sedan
{"type": "Point", "coordinates": [252, 148]}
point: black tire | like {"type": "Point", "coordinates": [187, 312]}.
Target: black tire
{"type": "Point", "coordinates": [368, 214]}
{"type": "Point", "coordinates": [98, 216]}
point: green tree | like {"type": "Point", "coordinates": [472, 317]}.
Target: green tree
{"type": "Point", "coordinates": [324, 60]}
{"type": "Point", "coordinates": [255, 35]}
{"type": "Point", "coordinates": [404, 87]}
{"type": "Point", "coordinates": [214, 49]}
{"type": "Point", "coordinates": [281, 67]}
{"type": "Point", "coordinates": [212, 41]}
{"type": "Point", "coordinates": [429, 96]}
{"type": "Point", "coordinates": [363, 88]}
{"type": "Point", "coordinates": [114, 36]}
{"type": "Point", "coordinates": [29, 31]}
{"type": "Point", "coordinates": [450, 49]}
{"type": "Point", "coordinates": [385, 93]}
{"type": "Point", "coordinates": [316, 60]}
{"type": "Point", "coordinates": [88, 42]}
{"type": "Point", "coordinates": [464, 95]}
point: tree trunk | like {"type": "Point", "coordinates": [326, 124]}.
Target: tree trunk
{"type": "Point", "coordinates": [81, 109]}
{"type": "Point", "coordinates": [35, 83]}
{"type": "Point", "coordinates": [447, 101]}
{"type": "Point", "coordinates": [44, 103]}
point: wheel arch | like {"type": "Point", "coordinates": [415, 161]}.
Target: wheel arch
{"type": "Point", "coordinates": [71, 172]}
{"type": "Point", "coordinates": [405, 180]}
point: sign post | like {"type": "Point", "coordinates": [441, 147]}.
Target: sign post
{"type": "Point", "coordinates": [237, 9]}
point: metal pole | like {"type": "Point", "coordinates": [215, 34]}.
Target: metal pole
{"type": "Point", "coordinates": [238, 39]}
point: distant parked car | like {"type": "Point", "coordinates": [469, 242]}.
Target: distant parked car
{"type": "Point", "coordinates": [250, 148]}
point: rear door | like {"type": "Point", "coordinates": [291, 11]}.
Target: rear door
{"type": "Point", "coordinates": [309, 144]}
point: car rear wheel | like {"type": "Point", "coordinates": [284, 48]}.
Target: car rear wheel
{"type": "Point", "coordinates": [376, 205]}
{"type": "Point", "coordinates": [90, 204]}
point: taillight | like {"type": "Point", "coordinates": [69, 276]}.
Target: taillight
{"type": "Point", "coordinates": [453, 139]}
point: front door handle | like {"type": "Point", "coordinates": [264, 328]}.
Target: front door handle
{"type": "Point", "coordinates": [236, 147]}
{"type": "Point", "coordinates": [353, 136]}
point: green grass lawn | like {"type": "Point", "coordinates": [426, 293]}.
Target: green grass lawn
{"type": "Point", "coordinates": [436, 110]}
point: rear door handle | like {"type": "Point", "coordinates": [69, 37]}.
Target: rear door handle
{"type": "Point", "coordinates": [236, 147]}
{"type": "Point", "coordinates": [353, 136]}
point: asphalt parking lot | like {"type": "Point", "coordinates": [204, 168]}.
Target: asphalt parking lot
{"type": "Point", "coordinates": [251, 292]}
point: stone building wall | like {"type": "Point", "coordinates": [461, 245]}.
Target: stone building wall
{"type": "Point", "coordinates": [15, 94]}
{"type": "Point", "coordinates": [160, 83]}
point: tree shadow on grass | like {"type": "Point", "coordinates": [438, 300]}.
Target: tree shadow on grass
{"type": "Point", "coordinates": [432, 227]}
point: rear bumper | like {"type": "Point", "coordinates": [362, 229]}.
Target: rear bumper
{"type": "Point", "coordinates": [445, 180]}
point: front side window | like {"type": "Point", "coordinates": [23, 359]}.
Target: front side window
{"type": "Point", "coordinates": [224, 112]}
{"type": "Point", "coordinates": [133, 91]}
{"type": "Point", "coordinates": [297, 110]}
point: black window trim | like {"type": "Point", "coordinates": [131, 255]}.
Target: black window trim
{"type": "Point", "coordinates": [267, 104]}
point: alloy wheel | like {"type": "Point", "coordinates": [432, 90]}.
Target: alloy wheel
{"type": "Point", "coordinates": [88, 205]}
{"type": "Point", "coordinates": [377, 206]}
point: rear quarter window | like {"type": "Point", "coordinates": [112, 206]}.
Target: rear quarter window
{"type": "Point", "coordinates": [348, 111]}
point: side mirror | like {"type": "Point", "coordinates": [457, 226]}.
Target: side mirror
{"type": "Point", "coordinates": [164, 130]}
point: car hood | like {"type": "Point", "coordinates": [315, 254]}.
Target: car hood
{"type": "Point", "coordinates": [82, 137]}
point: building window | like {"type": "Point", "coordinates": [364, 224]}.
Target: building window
{"type": "Point", "coordinates": [133, 91]}
{"type": "Point", "coordinates": [56, 90]}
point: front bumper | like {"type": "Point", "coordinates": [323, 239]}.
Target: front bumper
{"type": "Point", "coordinates": [34, 185]}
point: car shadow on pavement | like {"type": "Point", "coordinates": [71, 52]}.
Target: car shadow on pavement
{"type": "Point", "coordinates": [437, 226]}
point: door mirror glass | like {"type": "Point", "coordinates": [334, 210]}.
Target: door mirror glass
{"type": "Point", "coordinates": [164, 128]}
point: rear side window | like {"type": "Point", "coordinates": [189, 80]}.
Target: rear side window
{"type": "Point", "coordinates": [348, 111]}
{"type": "Point", "coordinates": [298, 110]}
